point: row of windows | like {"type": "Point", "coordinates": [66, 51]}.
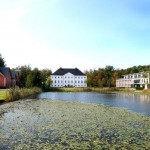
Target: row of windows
{"type": "Point", "coordinates": [58, 77]}
{"type": "Point", "coordinates": [142, 80]}
{"type": "Point", "coordinates": [68, 81]}
{"type": "Point", "coordinates": [69, 85]}
{"type": "Point", "coordinates": [133, 76]}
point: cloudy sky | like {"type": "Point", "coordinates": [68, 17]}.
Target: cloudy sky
{"type": "Point", "coordinates": [87, 34]}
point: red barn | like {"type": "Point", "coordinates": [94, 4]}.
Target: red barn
{"type": "Point", "coordinates": [2, 80]}
{"type": "Point", "coordinates": [5, 77]}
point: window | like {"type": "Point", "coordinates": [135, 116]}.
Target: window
{"type": "Point", "coordinates": [55, 81]}
{"type": "Point", "coordinates": [78, 81]}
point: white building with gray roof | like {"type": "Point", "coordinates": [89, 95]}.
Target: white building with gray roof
{"type": "Point", "coordinates": [68, 77]}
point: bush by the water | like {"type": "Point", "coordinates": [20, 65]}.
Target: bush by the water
{"type": "Point", "coordinates": [19, 93]}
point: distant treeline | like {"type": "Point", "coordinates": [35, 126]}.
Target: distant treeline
{"type": "Point", "coordinates": [102, 77]}
{"type": "Point", "coordinates": [106, 77]}
{"type": "Point", "coordinates": [33, 77]}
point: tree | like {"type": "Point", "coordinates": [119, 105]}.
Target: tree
{"type": "Point", "coordinates": [45, 73]}
{"type": "Point", "coordinates": [24, 72]}
{"type": "Point", "coordinates": [2, 61]}
{"type": "Point", "coordinates": [48, 82]}
{"type": "Point", "coordinates": [108, 74]}
{"type": "Point", "coordinates": [34, 79]}
{"type": "Point", "coordinates": [115, 75]}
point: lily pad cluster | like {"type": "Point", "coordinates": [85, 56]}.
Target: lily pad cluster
{"type": "Point", "coordinates": [45, 124]}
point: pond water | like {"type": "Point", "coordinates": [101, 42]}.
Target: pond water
{"type": "Point", "coordinates": [133, 102]}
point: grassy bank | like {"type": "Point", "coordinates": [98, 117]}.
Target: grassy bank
{"type": "Point", "coordinates": [53, 125]}
{"type": "Point", "coordinates": [134, 91]}
{"type": "Point", "coordinates": [19, 93]}
{"type": "Point", "coordinates": [99, 90]}
{"type": "Point", "coordinates": [86, 89]}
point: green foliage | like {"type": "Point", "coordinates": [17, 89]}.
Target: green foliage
{"type": "Point", "coordinates": [139, 88]}
{"type": "Point", "coordinates": [34, 79]}
{"type": "Point", "coordinates": [24, 71]}
{"type": "Point", "coordinates": [48, 82]}
{"type": "Point", "coordinates": [2, 61]}
{"type": "Point", "coordinates": [106, 77]}
{"type": "Point", "coordinates": [108, 71]}
{"type": "Point", "coordinates": [136, 69]}
{"type": "Point", "coordinates": [45, 74]}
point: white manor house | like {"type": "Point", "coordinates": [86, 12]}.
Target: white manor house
{"type": "Point", "coordinates": [67, 77]}
{"type": "Point", "coordinates": [134, 80]}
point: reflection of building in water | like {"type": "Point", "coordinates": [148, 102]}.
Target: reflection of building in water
{"type": "Point", "coordinates": [134, 80]}
{"type": "Point", "coordinates": [144, 98]}
{"type": "Point", "coordinates": [136, 97]}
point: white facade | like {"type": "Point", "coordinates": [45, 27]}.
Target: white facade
{"type": "Point", "coordinates": [133, 80]}
{"type": "Point", "coordinates": [68, 80]}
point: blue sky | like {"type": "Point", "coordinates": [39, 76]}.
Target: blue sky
{"type": "Point", "coordinates": [87, 34]}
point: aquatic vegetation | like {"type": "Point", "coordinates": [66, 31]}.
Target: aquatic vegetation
{"type": "Point", "coordinates": [45, 124]}
{"type": "Point", "coordinates": [18, 93]}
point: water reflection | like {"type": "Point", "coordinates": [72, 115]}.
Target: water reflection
{"type": "Point", "coordinates": [141, 98]}
{"type": "Point", "coordinates": [134, 102]}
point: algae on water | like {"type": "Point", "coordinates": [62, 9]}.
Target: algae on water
{"type": "Point", "coordinates": [45, 124]}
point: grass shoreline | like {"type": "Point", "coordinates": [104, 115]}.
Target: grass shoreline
{"type": "Point", "coordinates": [44, 124]}
{"type": "Point", "coordinates": [99, 90]}
{"type": "Point", "coordinates": [19, 93]}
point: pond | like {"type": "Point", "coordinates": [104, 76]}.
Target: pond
{"type": "Point", "coordinates": [133, 102]}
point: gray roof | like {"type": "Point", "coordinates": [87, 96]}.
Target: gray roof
{"type": "Point", "coordinates": [4, 70]}
{"type": "Point", "coordinates": [63, 71]}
